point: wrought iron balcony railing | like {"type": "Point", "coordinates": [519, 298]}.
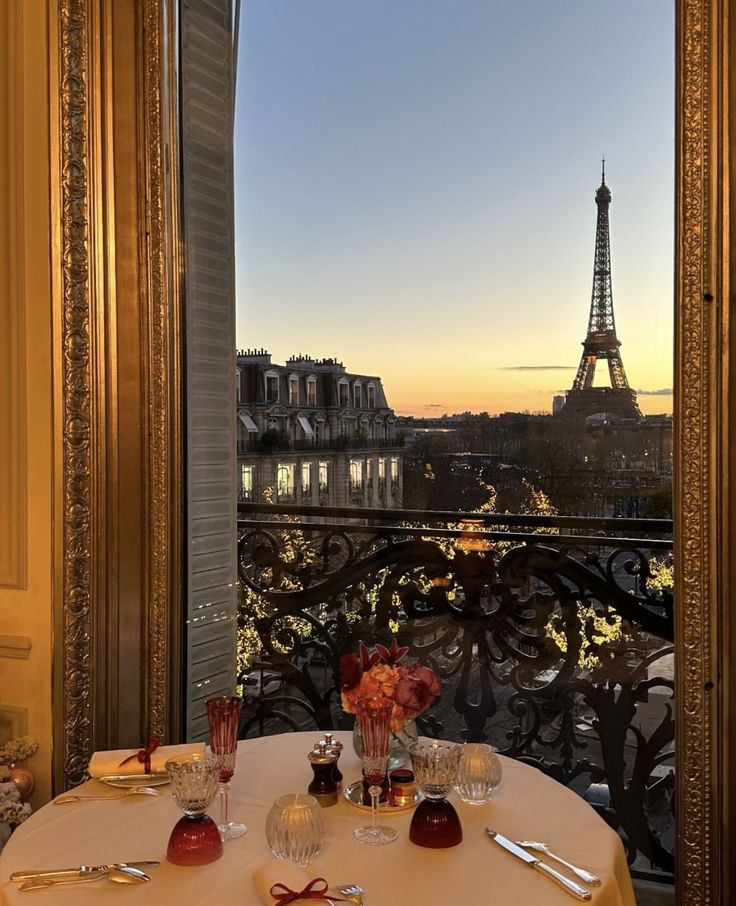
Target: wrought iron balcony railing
{"type": "Point", "coordinates": [551, 635]}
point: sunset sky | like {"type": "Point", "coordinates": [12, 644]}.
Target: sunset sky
{"type": "Point", "coordinates": [415, 186]}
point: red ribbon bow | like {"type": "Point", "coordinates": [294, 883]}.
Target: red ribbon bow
{"type": "Point", "coordinates": [315, 890]}
{"type": "Point", "coordinates": [144, 756]}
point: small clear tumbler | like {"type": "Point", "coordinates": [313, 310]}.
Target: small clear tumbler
{"type": "Point", "coordinates": [294, 828]}
{"type": "Point", "coordinates": [479, 773]}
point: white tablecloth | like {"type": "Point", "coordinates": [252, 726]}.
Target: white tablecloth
{"type": "Point", "coordinates": [528, 805]}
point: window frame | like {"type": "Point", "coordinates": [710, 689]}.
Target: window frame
{"type": "Point", "coordinates": [271, 375]}
{"type": "Point", "coordinates": [705, 440]}
{"type": "Point", "coordinates": [293, 381]}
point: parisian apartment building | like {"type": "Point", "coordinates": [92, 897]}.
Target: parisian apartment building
{"type": "Point", "coordinates": [310, 433]}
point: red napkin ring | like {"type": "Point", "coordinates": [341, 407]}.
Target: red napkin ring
{"type": "Point", "coordinates": [144, 756]}
{"type": "Point", "coordinates": [315, 890]}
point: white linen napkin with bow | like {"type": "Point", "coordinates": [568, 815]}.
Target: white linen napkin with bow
{"type": "Point", "coordinates": [109, 762]}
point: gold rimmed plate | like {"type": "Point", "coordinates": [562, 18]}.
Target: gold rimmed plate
{"type": "Point", "coordinates": [126, 781]}
{"type": "Point", "coordinates": [354, 794]}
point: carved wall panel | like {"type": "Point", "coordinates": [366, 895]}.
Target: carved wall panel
{"type": "Point", "coordinates": [12, 333]}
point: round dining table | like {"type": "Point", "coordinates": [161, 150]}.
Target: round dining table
{"type": "Point", "coordinates": [527, 805]}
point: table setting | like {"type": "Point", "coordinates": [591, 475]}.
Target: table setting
{"type": "Point", "coordinates": [316, 823]}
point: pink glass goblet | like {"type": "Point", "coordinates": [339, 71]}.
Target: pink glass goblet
{"type": "Point", "coordinates": [374, 714]}
{"type": "Point", "coordinates": [195, 839]}
{"type": "Point", "coordinates": [223, 714]}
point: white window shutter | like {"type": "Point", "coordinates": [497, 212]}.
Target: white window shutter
{"type": "Point", "coordinates": [207, 87]}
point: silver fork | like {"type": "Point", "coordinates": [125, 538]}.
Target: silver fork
{"type": "Point", "coordinates": [353, 893]}
{"type": "Point", "coordinates": [133, 791]}
{"type": "Point", "coordinates": [584, 875]}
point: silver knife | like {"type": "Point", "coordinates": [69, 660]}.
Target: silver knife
{"type": "Point", "coordinates": [571, 887]}
{"type": "Point", "coordinates": [81, 871]}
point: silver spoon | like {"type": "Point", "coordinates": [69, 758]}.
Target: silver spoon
{"type": "Point", "coordinates": [584, 875]}
{"type": "Point", "coordinates": [123, 875]}
{"type": "Point", "coordinates": [133, 791]}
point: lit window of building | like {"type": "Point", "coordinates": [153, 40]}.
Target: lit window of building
{"type": "Point", "coordinates": [324, 479]}
{"type": "Point", "coordinates": [285, 481]}
{"type": "Point", "coordinates": [381, 470]}
{"type": "Point", "coordinates": [306, 479]}
{"type": "Point", "coordinates": [394, 468]}
{"type": "Point", "coordinates": [246, 482]}
{"type": "Point", "coordinates": [356, 475]}
{"type": "Point", "coordinates": [369, 469]}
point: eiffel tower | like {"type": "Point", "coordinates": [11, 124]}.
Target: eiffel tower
{"type": "Point", "coordinates": [617, 401]}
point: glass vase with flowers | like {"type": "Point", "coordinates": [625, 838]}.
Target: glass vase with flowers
{"type": "Point", "coordinates": [411, 688]}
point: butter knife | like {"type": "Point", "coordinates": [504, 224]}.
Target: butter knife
{"type": "Point", "coordinates": [82, 871]}
{"type": "Point", "coordinates": [571, 887]}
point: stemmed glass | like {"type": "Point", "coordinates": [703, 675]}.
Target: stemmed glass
{"type": "Point", "coordinates": [374, 714]}
{"type": "Point", "coordinates": [223, 714]}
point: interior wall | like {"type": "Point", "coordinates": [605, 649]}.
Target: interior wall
{"type": "Point", "coordinates": [25, 384]}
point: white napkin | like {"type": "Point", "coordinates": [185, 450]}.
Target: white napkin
{"type": "Point", "coordinates": [103, 763]}
{"type": "Point", "coordinates": [278, 871]}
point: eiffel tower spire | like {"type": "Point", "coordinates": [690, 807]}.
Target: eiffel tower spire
{"type": "Point", "coordinates": [601, 342]}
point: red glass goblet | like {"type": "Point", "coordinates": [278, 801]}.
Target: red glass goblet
{"type": "Point", "coordinates": [374, 714]}
{"type": "Point", "coordinates": [223, 714]}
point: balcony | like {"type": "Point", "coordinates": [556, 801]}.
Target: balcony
{"type": "Point", "coordinates": [552, 637]}
{"type": "Point", "coordinates": [277, 442]}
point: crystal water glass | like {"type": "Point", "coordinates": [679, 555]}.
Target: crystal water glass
{"type": "Point", "coordinates": [479, 773]}
{"type": "Point", "coordinates": [195, 839]}
{"type": "Point", "coordinates": [223, 714]}
{"type": "Point", "coordinates": [294, 828]}
{"type": "Point", "coordinates": [435, 823]}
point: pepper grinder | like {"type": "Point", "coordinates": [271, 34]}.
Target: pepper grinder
{"type": "Point", "coordinates": [323, 786]}
{"type": "Point", "coordinates": [335, 746]}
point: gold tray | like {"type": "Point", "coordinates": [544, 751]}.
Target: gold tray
{"type": "Point", "coordinates": [354, 794]}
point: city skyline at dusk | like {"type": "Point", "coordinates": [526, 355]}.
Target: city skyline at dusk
{"type": "Point", "coordinates": [415, 192]}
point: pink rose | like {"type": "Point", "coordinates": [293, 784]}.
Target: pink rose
{"type": "Point", "coordinates": [415, 695]}
{"type": "Point", "coordinates": [425, 675]}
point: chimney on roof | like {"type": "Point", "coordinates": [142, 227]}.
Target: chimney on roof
{"type": "Point", "coordinates": [254, 357]}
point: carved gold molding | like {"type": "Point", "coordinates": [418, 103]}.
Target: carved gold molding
{"type": "Point", "coordinates": [164, 410]}
{"type": "Point", "coordinates": [73, 369]}
{"type": "Point", "coordinates": [701, 479]}
{"type": "Point", "coordinates": [106, 482]}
